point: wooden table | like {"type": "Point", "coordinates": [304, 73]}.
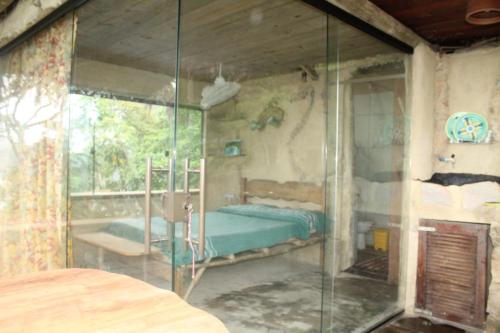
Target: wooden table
{"type": "Point", "coordinates": [93, 301]}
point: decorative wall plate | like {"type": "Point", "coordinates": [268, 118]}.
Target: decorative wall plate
{"type": "Point", "coordinates": [450, 125]}
{"type": "Point", "coordinates": [467, 127]}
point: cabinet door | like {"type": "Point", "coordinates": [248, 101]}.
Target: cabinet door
{"type": "Point", "coordinates": [452, 266]}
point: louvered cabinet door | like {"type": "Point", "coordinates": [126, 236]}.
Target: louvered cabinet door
{"type": "Point", "coordinates": [452, 267]}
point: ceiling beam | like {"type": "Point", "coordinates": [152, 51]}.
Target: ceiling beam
{"type": "Point", "coordinates": [368, 12]}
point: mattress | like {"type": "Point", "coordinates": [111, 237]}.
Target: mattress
{"type": "Point", "coordinates": [229, 230]}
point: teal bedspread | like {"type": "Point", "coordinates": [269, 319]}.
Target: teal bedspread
{"type": "Point", "coordinates": [230, 230]}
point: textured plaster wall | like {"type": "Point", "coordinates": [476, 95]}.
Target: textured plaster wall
{"type": "Point", "coordinates": [468, 82]}
{"type": "Point", "coordinates": [424, 61]}
{"type": "Point", "coordinates": [465, 81]}
{"type": "Point", "coordinates": [291, 152]}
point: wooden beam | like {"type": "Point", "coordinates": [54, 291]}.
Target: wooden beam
{"type": "Point", "coordinates": [368, 12]}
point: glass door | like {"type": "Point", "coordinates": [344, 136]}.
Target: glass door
{"type": "Point", "coordinates": [122, 119]}
{"type": "Point", "coordinates": [367, 142]}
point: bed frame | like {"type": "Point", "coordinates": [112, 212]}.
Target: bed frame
{"type": "Point", "coordinates": [289, 191]}
{"type": "Point", "coordinates": [264, 189]}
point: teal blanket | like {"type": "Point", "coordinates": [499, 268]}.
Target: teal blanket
{"type": "Point", "coordinates": [229, 230]}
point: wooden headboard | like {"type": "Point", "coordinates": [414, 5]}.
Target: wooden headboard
{"type": "Point", "coordinates": [290, 191]}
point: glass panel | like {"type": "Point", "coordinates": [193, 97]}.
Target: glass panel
{"type": "Point", "coordinates": [257, 71]}
{"type": "Point", "coordinates": [366, 168]}
{"type": "Point", "coordinates": [34, 87]}
{"type": "Point", "coordinates": [111, 139]}
{"type": "Point", "coordinates": [122, 112]}
{"type": "Point", "coordinates": [286, 131]}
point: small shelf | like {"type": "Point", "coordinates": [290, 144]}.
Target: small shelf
{"type": "Point", "coordinates": [234, 156]}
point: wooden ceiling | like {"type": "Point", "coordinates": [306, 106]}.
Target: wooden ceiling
{"type": "Point", "coordinates": [251, 38]}
{"type": "Point", "coordinates": [441, 22]}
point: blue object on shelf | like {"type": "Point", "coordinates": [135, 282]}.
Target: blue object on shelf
{"type": "Point", "coordinates": [233, 148]}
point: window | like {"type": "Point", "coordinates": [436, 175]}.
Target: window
{"type": "Point", "coordinates": [111, 139]}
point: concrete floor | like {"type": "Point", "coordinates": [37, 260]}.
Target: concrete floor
{"type": "Point", "coordinates": [272, 295]}
{"type": "Point", "coordinates": [277, 295]}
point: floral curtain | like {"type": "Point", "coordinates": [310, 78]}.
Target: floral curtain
{"type": "Point", "coordinates": [34, 88]}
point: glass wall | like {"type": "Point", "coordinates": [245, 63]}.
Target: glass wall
{"type": "Point", "coordinates": [277, 136]}
{"type": "Point", "coordinates": [122, 112]}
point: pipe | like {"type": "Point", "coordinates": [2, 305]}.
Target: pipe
{"type": "Point", "coordinates": [147, 206]}
{"type": "Point", "coordinates": [201, 229]}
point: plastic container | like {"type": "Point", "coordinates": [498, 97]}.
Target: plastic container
{"type": "Point", "coordinates": [381, 239]}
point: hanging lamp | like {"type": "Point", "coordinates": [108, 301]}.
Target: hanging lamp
{"type": "Point", "coordinates": [483, 12]}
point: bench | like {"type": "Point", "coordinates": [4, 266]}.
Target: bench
{"type": "Point", "coordinates": [104, 241]}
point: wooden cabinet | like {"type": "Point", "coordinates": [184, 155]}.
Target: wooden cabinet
{"type": "Point", "coordinates": [452, 271]}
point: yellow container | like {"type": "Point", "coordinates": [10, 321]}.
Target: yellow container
{"type": "Point", "coordinates": [381, 239]}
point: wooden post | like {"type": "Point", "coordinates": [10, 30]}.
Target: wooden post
{"type": "Point", "coordinates": [179, 285]}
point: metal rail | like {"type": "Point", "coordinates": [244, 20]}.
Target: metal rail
{"type": "Point", "coordinates": [147, 206]}
{"type": "Point", "coordinates": [147, 202]}
{"type": "Point", "coordinates": [201, 237]}
{"type": "Point", "coordinates": [201, 228]}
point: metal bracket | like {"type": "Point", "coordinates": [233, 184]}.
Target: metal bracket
{"type": "Point", "coordinates": [174, 206]}
{"type": "Point", "coordinates": [427, 229]}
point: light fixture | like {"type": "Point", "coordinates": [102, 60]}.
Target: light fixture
{"type": "Point", "coordinates": [483, 12]}
{"type": "Point", "coordinates": [218, 92]}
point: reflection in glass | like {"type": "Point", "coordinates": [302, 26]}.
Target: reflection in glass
{"type": "Point", "coordinates": [367, 138]}
{"type": "Point", "coordinates": [301, 122]}
{"type": "Point", "coordinates": [122, 112]}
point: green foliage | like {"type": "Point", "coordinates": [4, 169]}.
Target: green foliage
{"type": "Point", "coordinates": [111, 139]}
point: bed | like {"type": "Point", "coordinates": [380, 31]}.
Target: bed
{"type": "Point", "coordinates": [238, 232]}
{"type": "Point", "coordinates": [229, 230]}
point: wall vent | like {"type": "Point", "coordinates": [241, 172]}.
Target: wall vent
{"type": "Point", "coordinates": [452, 271]}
